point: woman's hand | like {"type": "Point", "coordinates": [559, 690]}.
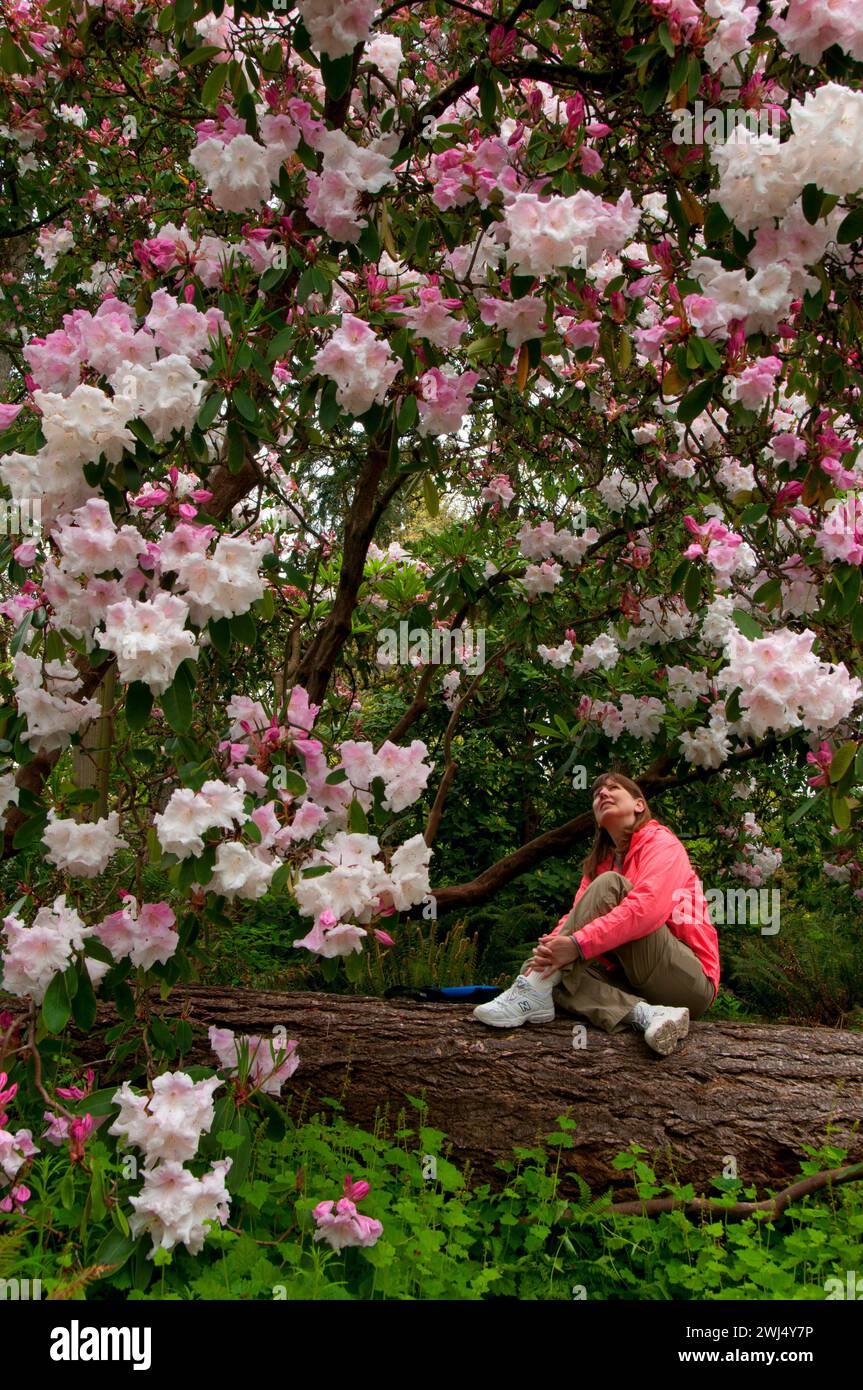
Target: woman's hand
{"type": "Point", "coordinates": [553, 952]}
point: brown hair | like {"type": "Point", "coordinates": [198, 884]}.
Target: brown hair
{"type": "Point", "coordinates": [603, 844]}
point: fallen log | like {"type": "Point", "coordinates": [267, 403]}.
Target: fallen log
{"type": "Point", "coordinates": [751, 1094]}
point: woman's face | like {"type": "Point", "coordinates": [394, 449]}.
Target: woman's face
{"type": "Point", "coordinates": [614, 806]}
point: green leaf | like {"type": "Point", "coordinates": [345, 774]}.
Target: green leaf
{"type": "Point", "coordinates": [488, 98]}
{"type": "Point", "coordinates": [337, 74]}
{"type": "Point", "coordinates": [769, 594]}
{"type": "Point", "coordinates": [802, 810]}
{"type": "Point", "coordinates": [200, 55]}
{"type": "Point", "coordinates": [214, 84]}
{"type": "Point", "coordinates": [812, 196]}
{"type": "Point", "coordinates": [213, 403]}
{"type": "Point", "coordinates": [692, 588]}
{"type": "Point", "coordinates": [176, 702]}
{"type": "Point", "coordinates": [328, 410]}
{"type": "Point", "coordinates": [29, 832]}
{"type": "Point", "coordinates": [716, 223]}
{"type": "Point", "coordinates": [116, 1247]}
{"type": "Point", "coordinates": [746, 624]}
{"type": "Point", "coordinates": [732, 706]}
{"type": "Point", "coordinates": [695, 401]}
{"type": "Point", "coordinates": [841, 811]}
{"type": "Point", "coordinates": [842, 760]}
{"type": "Point", "coordinates": [370, 243]}
{"type": "Point", "coordinates": [293, 782]}
{"type": "Point", "coordinates": [244, 629]}
{"type": "Point", "coordinates": [408, 415]}
{"type": "Point", "coordinates": [851, 227]}
{"type": "Point", "coordinates": [244, 403]}
{"type": "Point", "coordinates": [139, 703]}
{"type": "Point", "coordinates": [430, 496]}
{"type": "Point", "coordinates": [56, 1006]}
{"type": "Point", "coordinates": [357, 820]}
{"type": "Point", "coordinates": [84, 1002]}
{"type": "Point", "coordinates": [678, 578]}
{"type": "Point", "coordinates": [220, 635]}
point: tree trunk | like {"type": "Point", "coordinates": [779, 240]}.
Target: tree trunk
{"type": "Point", "coordinates": [736, 1092]}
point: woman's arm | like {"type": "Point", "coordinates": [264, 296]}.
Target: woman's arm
{"type": "Point", "coordinates": [663, 869]}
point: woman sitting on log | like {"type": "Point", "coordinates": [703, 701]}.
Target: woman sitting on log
{"type": "Point", "coordinates": [637, 948]}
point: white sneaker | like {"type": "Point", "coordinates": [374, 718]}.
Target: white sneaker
{"type": "Point", "coordinates": [662, 1026]}
{"type": "Point", "coordinates": [519, 1004]}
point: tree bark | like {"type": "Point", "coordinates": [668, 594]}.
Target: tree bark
{"type": "Point", "coordinates": [754, 1094]}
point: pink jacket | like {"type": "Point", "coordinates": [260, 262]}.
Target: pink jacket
{"type": "Point", "coordinates": [665, 887]}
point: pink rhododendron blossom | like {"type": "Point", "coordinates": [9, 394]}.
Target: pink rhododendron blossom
{"type": "Point", "coordinates": [267, 1062]}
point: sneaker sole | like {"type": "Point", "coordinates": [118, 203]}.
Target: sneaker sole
{"type": "Point", "coordinates": [514, 1023]}
{"type": "Point", "coordinates": [668, 1034]}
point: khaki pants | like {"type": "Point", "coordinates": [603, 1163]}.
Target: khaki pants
{"type": "Point", "coordinates": [662, 969]}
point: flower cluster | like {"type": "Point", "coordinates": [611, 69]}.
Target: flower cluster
{"type": "Point", "coordinates": [264, 1063]}
{"type": "Point", "coordinates": [173, 1205]}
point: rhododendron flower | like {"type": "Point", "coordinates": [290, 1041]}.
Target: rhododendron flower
{"type": "Point", "coordinates": [499, 490]}
{"type": "Point", "coordinates": [82, 848]}
{"type": "Point", "coordinates": [546, 234]}
{"type": "Point", "coordinates": [167, 1125]}
{"type": "Point", "coordinates": [189, 815]}
{"type": "Point", "coordinates": [145, 935]}
{"type": "Point", "coordinates": [15, 1150]}
{"type": "Point", "coordinates": [174, 1206]}
{"type": "Point", "coordinates": [149, 638]}
{"type": "Point", "coordinates": [267, 1062]}
{"type": "Point", "coordinates": [446, 399]}
{"type": "Point", "coordinates": [359, 362]}
{"type": "Point", "coordinates": [34, 955]}
{"type": "Point", "coordinates": [340, 1224]}
{"type": "Point", "coordinates": [336, 29]}
{"type": "Point", "coordinates": [240, 872]}
{"type": "Point", "coordinates": [521, 318]}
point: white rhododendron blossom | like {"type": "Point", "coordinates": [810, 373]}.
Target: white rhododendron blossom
{"type": "Point", "coordinates": [359, 362]}
{"type": "Point", "coordinates": [166, 1126]}
{"type": "Point", "coordinates": [149, 638]}
{"type": "Point", "coordinates": [174, 1206]}
{"type": "Point", "coordinates": [357, 885]}
{"type": "Point", "coordinates": [225, 583]}
{"type": "Point", "coordinates": [403, 769]}
{"type": "Point", "coordinates": [240, 872]}
{"type": "Point", "coordinates": [33, 955]}
{"type": "Point", "coordinates": [546, 234]}
{"type": "Point", "coordinates": [84, 848]}
{"type": "Point", "coordinates": [166, 396]}
{"type": "Point", "coordinates": [337, 26]}
{"type": "Point", "coordinates": [189, 815]}
{"type": "Point", "coordinates": [45, 698]}
{"type": "Point", "coordinates": [784, 685]}
{"type": "Point", "coordinates": [239, 173]}
{"type": "Point", "coordinates": [348, 169]}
